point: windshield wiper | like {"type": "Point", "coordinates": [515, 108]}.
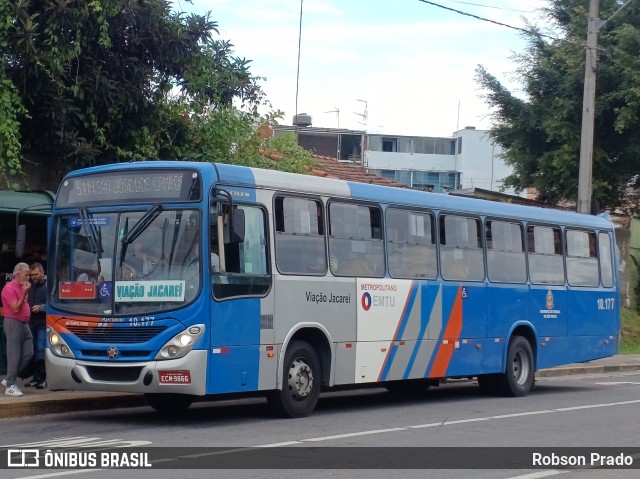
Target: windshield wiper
{"type": "Point", "coordinates": [90, 232]}
{"type": "Point", "coordinates": [142, 224]}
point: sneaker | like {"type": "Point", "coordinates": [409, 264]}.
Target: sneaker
{"type": "Point", "coordinates": [13, 391]}
{"type": "Point", "coordinates": [42, 385]}
{"type": "Point", "coordinates": [30, 384]}
{"type": "Point", "coordinates": [4, 383]}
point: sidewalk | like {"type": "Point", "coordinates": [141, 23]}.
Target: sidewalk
{"type": "Point", "coordinates": [43, 401]}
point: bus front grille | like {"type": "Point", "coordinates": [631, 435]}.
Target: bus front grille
{"type": "Point", "coordinates": [106, 373]}
{"type": "Point", "coordinates": [102, 353]}
{"type": "Point", "coordinates": [139, 334]}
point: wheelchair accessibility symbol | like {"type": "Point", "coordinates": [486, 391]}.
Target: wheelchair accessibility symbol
{"type": "Point", "coordinates": [464, 293]}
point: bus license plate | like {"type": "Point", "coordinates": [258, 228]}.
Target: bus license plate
{"type": "Point", "coordinates": [174, 377]}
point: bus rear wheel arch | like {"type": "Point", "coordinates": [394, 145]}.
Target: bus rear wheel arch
{"type": "Point", "coordinates": [302, 380]}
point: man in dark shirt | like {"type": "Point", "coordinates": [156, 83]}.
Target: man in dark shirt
{"type": "Point", "coordinates": [38, 324]}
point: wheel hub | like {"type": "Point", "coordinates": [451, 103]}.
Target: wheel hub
{"type": "Point", "coordinates": [300, 379]}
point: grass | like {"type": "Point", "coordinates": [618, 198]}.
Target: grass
{"type": "Point", "coordinates": [630, 343]}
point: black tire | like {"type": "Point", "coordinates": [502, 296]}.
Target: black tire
{"type": "Point", "coordinates": [169, 403]}
{"type": "Point", "coordinates": [302, 379]}
{"type": "Point", "coordinates": [519, 375]}
{"type": "Point", "coordinates": [408, 386]}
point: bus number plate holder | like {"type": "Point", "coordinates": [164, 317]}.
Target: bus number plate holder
{"type": "Point", "coordinates": [174, 377]}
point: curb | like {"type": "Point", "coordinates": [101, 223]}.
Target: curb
{"type": "Point", "coordinates": [571, 370]}
{"type": "Point", "coordinates": [67, 403]}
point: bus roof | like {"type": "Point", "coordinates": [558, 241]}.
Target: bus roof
{"type": "Point", "coordinates": [308, 184]}
{"type": "Point", "coordinates": [32, 202]}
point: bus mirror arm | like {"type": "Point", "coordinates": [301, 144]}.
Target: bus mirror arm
{"type": "Point", "coordinates": [236, 217]}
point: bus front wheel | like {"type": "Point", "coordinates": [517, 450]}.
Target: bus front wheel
{"type": "Point", "coordinates": [519, 376]}
{"type": "Point", "coordinates": [169, 403]}
{"type": "Point", "coordinates": [301, 382]}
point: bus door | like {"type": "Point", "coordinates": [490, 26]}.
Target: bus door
{"type": "Point", "coordinates": [240, 278]}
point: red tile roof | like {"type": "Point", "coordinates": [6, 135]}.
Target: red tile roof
{"type": "Point", "coordinates": [328, 167]}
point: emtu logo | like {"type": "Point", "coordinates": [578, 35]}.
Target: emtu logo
{"type": "Point", "coordinates": [366, 301]}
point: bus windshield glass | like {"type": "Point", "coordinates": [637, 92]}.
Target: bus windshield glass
{"type": "Point", "coordinates": [100, 268]}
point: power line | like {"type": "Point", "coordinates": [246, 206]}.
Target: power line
{"type": "Point", "coordinates": [491, 6]}
{"type": "Point", "coordinates": [520, 29]}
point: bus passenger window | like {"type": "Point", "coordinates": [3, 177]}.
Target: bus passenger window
{"type": "Point", "coordinates": [461, 255]}
{"type": "Point", "coordinates": [606, 261]}
{"type": "Point", "coordinates": [299, 236]}
{"type": "Point", "coordinates": [411, 248]}
{"type": "Point", "coordinates": [582, 261]}
{"type": "Point", "coordinates": [506, 262]}
{"type": "Point", "coordinates": [355, 240]}
{"type": "Point", "coordinates": [545, 255]}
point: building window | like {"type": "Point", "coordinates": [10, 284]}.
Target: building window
{"type": "Point", "coordinates": [390, 144]}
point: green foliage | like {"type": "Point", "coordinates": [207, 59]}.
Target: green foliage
{"type": "Point", "coordinates": [115, 80]}
{"type": "Point", "coordinates": [636, 288]}
{"type": "Point", "coordinates": [541, 132]}
{"type": "Point", "coordinates": [630, 343]}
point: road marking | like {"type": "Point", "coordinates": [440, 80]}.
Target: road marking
{"type": "Point", "coordinates": [79, 441]}
{"type": "Point", "coordinates": [537, 475]}
{"type": "Point", "coordinates": [451, 423]}
{"type": "Point", "coordinates": [73, 441]}
{"type": "Point", "coordinates": [618, 383]}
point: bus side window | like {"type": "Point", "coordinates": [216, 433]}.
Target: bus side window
{"type": "Point", "coordinates": [246, 271]}
{"type": "Point", "coordinates": [545, 255]}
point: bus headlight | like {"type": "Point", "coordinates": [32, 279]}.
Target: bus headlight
{"type": "Point", "coordinates": [58, 346]}
{"type": "Point", "coordinates": [181, 343]}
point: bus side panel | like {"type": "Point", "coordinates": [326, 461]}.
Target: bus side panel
{"type": "Point", "coordinates": [463, 328]}
{"type": "Point", "coordinates": [548, 312]}
{"type": "Point", "coordinates": [593, 312]}
{"type": "Point", "coordinates": [234, 357]}
{"type": "Point", "coordinates": [506, 305]}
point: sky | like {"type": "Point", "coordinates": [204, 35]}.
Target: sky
{"type": "Point", "coordinates": [397, 67]}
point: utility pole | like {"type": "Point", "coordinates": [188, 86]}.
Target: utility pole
{"type": "Point", "coordinates": [588, 111]}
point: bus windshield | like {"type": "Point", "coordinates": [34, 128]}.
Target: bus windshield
{"type": "Point", "coordinates": [101, 268]}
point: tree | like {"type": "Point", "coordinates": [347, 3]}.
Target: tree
{"type": "Point", "coordinates": [100, 81]}
{"type": "Point", "coordinates": [541, 132]}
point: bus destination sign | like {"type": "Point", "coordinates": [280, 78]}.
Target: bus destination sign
{"type": "Point", "coordinates": [130, 186]}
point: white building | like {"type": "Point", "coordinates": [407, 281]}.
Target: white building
{"type": "Point", "coordinates": [469, 159]}
{"type": "Point", "coordinates": [466, 160]}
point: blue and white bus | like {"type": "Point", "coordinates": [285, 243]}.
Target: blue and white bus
{"type": "Point", "coordinates": [180, 280]}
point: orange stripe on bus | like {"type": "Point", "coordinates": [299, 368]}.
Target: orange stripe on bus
{"type": "Point", "coordinates": [452, 333]}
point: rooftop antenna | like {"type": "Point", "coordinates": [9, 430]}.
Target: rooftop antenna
{"type": "Point", "coordinates": [337, 112]}
{"type": "Point", "coordinates": [365, 114]}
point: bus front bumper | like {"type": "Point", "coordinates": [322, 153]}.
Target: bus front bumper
{"type": "Point", "coordinates": [186, 375]}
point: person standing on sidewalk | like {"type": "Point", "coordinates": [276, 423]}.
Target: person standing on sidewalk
{"type": "Point", "coordinates": [16, 327]}
{"type": "Point", "coordinates": [37, 298]}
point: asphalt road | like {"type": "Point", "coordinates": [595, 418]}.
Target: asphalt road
{"type": "Point", "coordinates": [586, 411]}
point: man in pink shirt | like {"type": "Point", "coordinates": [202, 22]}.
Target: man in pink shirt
{"type": "Point", "coordinates": [16, 327]}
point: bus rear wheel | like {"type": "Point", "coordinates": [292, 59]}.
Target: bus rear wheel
{"type": "Point", "coordinates": [519, 375]}
{"type": "Point", "coordinates": [302, 378]}
{"type": "Point", "coordinates": [169, 403]}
